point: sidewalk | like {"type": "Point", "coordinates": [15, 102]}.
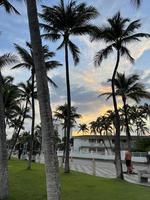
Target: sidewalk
{"type": "Point", "coordinates": [105, 169]}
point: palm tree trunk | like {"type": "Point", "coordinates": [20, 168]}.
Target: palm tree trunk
{"type": "Point", "coordinates": [127, 124]}
{"type": "Point", "coordinates": [32, 126]}
{"type": "Point", "coordinates": [118, 164]}
{"type": "Point", "coordinates": [3, 148]}
{"type": "Point", "coordinates": [64, 150]}
{"type": "Point", "coordinates": [18, 132]}
{"type": "Point", "coordinates": [67, 167]}
{"type": "Point", "coordinates": [48, 138]}
{"type": "Point", "coordinates": [109, 140]}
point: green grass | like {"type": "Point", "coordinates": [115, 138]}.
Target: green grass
{"type": "Point", "coordinates": [30, 185]}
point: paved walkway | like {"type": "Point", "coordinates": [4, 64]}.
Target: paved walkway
{"type": "Point", "coordinates": [105, 169]}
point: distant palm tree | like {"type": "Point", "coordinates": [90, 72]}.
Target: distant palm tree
{"type": "Point", "coordinates": [129, 87]}
{"type": "Point", "coordinates": [93, 126]}
{"type": "Point", "coordinates": [117, 34]}
{"type": "Point", "coordinates": [106, 127]}
{"type": "Point", "coordinates": [61, 113]}
{"type": "Point", "coordinates": [5, 60]}
{"type": "Point", "coordinates": [26, 95]}
{"type": "Point", "coordinates": [83, 128]}
{"type": "Point", "coordinates": [138, 118]}
{"type": "Point", "coordinates": [61, 22]}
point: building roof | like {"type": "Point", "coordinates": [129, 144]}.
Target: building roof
{"type": "Point", "coordinates": [105, 137]}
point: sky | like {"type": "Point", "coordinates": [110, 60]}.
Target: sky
{"type": "Point", "coordinates": [87, 82]}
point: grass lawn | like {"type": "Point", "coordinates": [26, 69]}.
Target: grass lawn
{"type": "Point", "coordinates": [30, 185]}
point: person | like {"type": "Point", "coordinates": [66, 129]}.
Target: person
{"type": "Point", "coordinates": [128, 157]}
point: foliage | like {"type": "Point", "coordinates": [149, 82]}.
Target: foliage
{"type": "Point", "coordinates": [142, 144]}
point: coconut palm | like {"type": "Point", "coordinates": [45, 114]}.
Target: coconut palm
{"type": "Point", "coordinates": [129, 87]}
{"type": "Point", "coordinates": [62, 115]}
{"type": "Point", "coordinates": [117, 35]}
{"type": "Point", "coordinates": [60, 22]}
{"type": "Point", "coordinates": [138, 118]}
{"type": "Point", "coordinates": [83, 128]}
{"type": "Point", "coordinates": [26, 95]}
{"type": "Point", "coordinates": [51, 162]}
{"type": "Point", "coordinates": [11, 95]}
{"type": "Point", "coordinates": [106, 127]}
{"type": "Point", "coordinates": [28, 63]}
{"type": "Point", "coordinates": [93, 125]}
{"type": "Point", "coordinates": [5, 60]}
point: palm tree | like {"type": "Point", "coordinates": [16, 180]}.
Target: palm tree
{"type": "Point", "coordinates": [28, 63]}
{"type": "Point", "coordinates": [26, 94]}
{"type": "Point", "coordinates": [63, 21]}
{"type": "Point", "coordinates": [129, 88]}
{"type": "Point", "coordinates": [83, 128]}
{"type": "Point", "coordinates": [62, 114]}
{"type": "Point", "coordinates": [117, 34]}
{"type": "Point", "coordinates": [3, 151]}
{"type": "Point", "coordinates": [138, 118]}
{"type": "Point", "coordinates": [5, 60]}
{"type": "Point", "coordinates": [93, 126]}
{"type": "Point", "coordinates": [106, 127]}
{"type": "Point", "coordinates": [51, 162]}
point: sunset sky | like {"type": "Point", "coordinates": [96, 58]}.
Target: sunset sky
{"type": "Point", "coordinates": [86, 81]}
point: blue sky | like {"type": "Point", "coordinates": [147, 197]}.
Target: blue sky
{"type": "Point", "coordinates": [86, 80]}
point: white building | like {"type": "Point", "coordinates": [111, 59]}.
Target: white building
{"type": "Point", "coordinates": [97, 143]}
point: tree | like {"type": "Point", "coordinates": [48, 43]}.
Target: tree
{"type": "Point", "coordinates": [129, 87]}
{"type": "Point", "coordinates": [93, 126]}
{"type": "Point", "coordinates": [117, 34]}
{"type": "Point", "coordinates": [83, 128]}
{"type": "Point", "coordinates": [26, 94]}
{"type": "Point", "coordinates": [63, 21]}
{"type": "Point", "coordinates": [28, 63]}
{"type": "Point", "coordinates": [5, 60]}
{"type": "Point", "coordinates": [105, 125]}
{"type": "Point", "coordinates": [62, 114]}
{"type": "Point", "coordinates": [51, 162]}
{"type": "Point", "coordinates": [3, 151]}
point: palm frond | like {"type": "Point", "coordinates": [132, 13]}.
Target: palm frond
{"type": "Point", "coordinates": [8, 7]}
{"type": "Point", "coordinates": [102, 54]}
{"type": "Point", "coordinates": [7, 59]}
{"type": "Point", "coordinates": [125, 52]}
{"type": "Point", "coordinates": [75, 52]}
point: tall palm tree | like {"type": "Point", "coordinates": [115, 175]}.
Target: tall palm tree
{"type": "Point", "coordinates": [3, 151]}
{"type": "Point", "coordinates": [129, 87]}
{"type": "Point", "coordinates": [60, 22]}
{"type": "Point", "coordinates": [117, 35]}
{"type": "Point", "coordinates": [62, 114]}
{"type": "Point", "coordinates": [51, 162]}
{"type": "Point", "coordinates": [83, 128]}
{"type": "Point", "coordinates": [28, 63]}
{"type": "Point", "coordinates": [5, 59]}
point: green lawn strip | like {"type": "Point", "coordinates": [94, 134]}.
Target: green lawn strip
{"type": "Point", "coordinates": [30, 185]}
